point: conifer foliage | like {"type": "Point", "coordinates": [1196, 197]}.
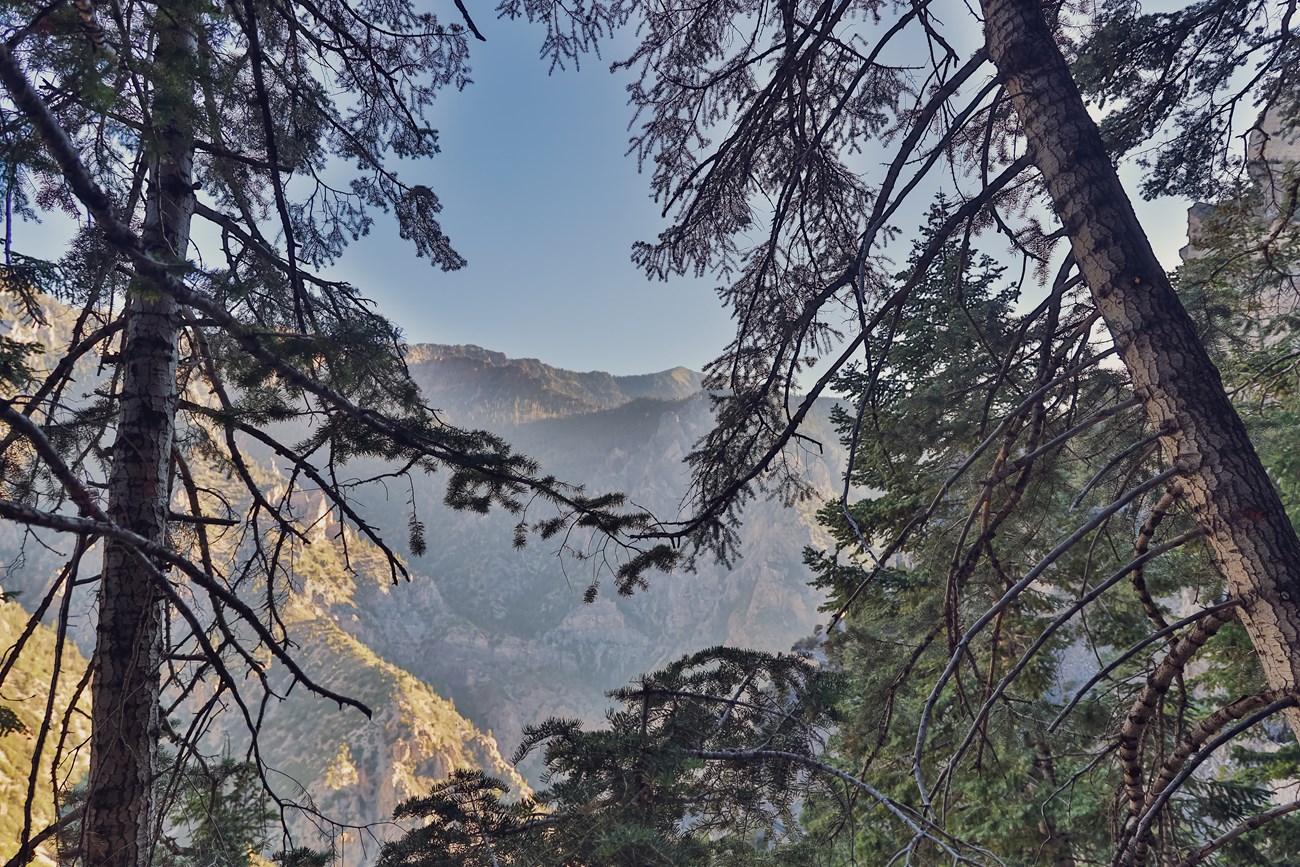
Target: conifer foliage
{"type": "Point", "coordinates": [702, 762]}
{"type": "Point", "coordinates": [1037, 459]}
{"type": "Point", "coordinates": [1061, 467]}
{"type": "Point", "coordinates": [1073, 714]}
{"type": "Point", "coordinates": [216, 158]}
{"type": "Point", "coordinates": [1034, 461]}
{"type": "Point", "coordinates": [1075, 731]}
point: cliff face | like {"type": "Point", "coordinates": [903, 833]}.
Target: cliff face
{"type": "Point", "coordinates": [503, 631]}
{"type": "Point", "coordinates": [486, 639]}
{"type": "Point", "coordinates": [336, 762]}
{"type": "Point", "coordinates": [25, 694]}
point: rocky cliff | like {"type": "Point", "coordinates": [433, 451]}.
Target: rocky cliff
{"type": "Point", "coordinates": [336, 762]}
{"type": "Point", "coordinates": [504, 631]}
{"type": "Point", "coordinates": [486, 638]}
{"type": "Point", "coordinates": [27, 694]}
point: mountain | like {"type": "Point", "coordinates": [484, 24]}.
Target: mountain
{"type": "Point", "coordinates": [486, 639]}
{"type": "Point", "coordinates": [504, 632]}
{"type": "Point", "coordinates": [475, 387]}
{"type": "Point", "coordinates": [350, 768]}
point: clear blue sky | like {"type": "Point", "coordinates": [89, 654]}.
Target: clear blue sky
{"type": "Point", "coordinates": [538, 196]}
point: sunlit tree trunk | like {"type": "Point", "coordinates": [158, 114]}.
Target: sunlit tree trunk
{"type": "Point", "coordinates": [1227, 487]}
{"type": "Point", "coordinates": [121, 819]}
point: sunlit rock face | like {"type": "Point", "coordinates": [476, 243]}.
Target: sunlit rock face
{"type": "Point", "coordinates": [1272, 152]}
{"type": "Point", "coordinates": [1272, 157]}
{"type": "Point", "coordinates": [486, 639]}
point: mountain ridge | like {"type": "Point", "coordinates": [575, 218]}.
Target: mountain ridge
{"type": "Point", "coordinates": [485, 639]}
{"type": "Point", "coordinates": [481, 387]}
{"type": "Point", "coordinates": [515, 643]}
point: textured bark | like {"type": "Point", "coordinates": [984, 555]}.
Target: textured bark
{"type": "Point", "coordinates": [1147, 704]}
{"type": "Point", "coordinates": [1229, 492]}
{"type": "Point", "coordinates": [121, 820]}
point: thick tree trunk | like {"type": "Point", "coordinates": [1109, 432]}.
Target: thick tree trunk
{"type": "Point", "coordinates": [121, 821]}
{"type": "Point", "coordinates": [1227, 487]}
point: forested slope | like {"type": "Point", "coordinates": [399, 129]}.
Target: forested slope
{"type": "Point", "coordinates": [26, 691]}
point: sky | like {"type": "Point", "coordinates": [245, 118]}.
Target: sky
{"type": "Point", "coordinates": [540, 197]}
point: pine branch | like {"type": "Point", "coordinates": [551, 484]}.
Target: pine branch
{"type": "Point", "coordinates": [1256, 821]}
{"type": "Point", "coordinates": [920, 825]}
{"type": "Point", "coordinates": [1014, 591]}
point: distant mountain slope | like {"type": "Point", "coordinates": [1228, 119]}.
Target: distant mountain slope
{"type": "Point", "coordinates": [504, 632]}
{"type": "Point", "coordinates": [475, 387]}
{"type": "Point", "coordinates": [352, 769]}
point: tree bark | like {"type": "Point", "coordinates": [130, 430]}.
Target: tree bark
{"type": "Point", "coordinates": [1227, 487]}
{"type": "Point", "coordinates": [121, 819]}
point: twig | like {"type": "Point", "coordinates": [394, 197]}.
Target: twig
{"type": "Point", "coordinates": [1223, 610]}
{"type": "Point", "coordinates": [919, 824]}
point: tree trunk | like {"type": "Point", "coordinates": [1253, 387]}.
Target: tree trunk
{"type": "Point", "coordinates": [1229, 491]}
{"type": "Point", "coordinates": [121, 820]}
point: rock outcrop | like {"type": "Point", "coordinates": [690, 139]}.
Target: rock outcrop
{"type": "Point", "coordinates": [501, 632]}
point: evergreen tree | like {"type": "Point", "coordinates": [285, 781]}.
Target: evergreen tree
{"type": "Point", "coordinates": [220, 817]}
{"type": "Point", "coordinates": [755, 119]}
{"type": "Point", "coordinates": [1025, 758]}
{"type": "Point", "coordinates": [1034, 759]}
{"type": "Point", "coordinates": [703, 762]}
{"type": "Point", "coordinates": [780, 205]}
{"type": "Point", "coordinates": [216, 347]}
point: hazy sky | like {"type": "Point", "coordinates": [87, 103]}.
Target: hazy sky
{"type": "Point", "coordinates": [539, 196]}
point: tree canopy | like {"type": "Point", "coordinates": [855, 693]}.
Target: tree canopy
{"type": "Point", "coordinates": [222, 155]}
{"type": "Point", "coordinates": [1036, 445]}
{"type": "Point", "coordinates": [1059, 466]}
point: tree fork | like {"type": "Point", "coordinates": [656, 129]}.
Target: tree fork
{"type": "Point", "coordinates": [121, 818]}
{"type": "Point", "coordinates": [1227, 487]}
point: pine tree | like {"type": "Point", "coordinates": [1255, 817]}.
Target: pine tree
{"type": "Point", "coordinates": [1023, 754]}
{"type": "Point", "coordinates": [220, 817]}
{"type": "Point", "coordinates": [702, 762]}
{"type": "Point", "coordinates": [217, 346]}
{"type": "Point", "coordinates": [787, 145]}
{"type": "Point", "coordinates": [1024, 751]}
